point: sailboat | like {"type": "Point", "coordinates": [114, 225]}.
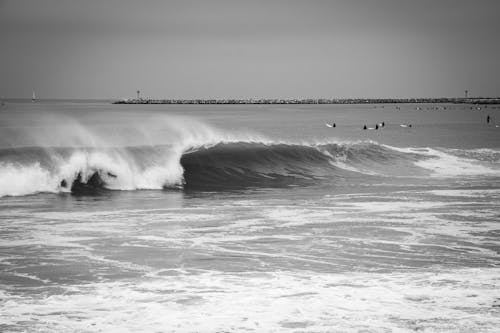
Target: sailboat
{"type": "Point", "coordinates": [33, 98]}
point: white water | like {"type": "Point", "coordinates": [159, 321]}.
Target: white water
{"type": "Point", "coordinates": [272, 302]}
{"type": "Point", "coordinates": [444, 164]}
{"type": "Point", "coordinates": [259, 264]}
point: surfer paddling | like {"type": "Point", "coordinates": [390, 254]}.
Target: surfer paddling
{"type": "Point", "coordinates": [371, 128]}
{"type": "Point", "coordinates": [377, 126]}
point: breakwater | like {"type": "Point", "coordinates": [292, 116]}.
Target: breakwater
{"type": "Point", "coordinates": [478, 100]}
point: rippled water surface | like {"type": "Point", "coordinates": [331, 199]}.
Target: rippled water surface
{"type": "Point", "coordinates": [211, 228]}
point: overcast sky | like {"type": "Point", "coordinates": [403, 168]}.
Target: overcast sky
{"type": "Point", "coordinates": [242, 49]}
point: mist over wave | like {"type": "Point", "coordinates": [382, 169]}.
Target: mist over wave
{"type": "Point", "coordinates": [180, 152]}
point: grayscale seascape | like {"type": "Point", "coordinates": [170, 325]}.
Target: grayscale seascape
{"type": "Point", "coordinates": [361, 217]}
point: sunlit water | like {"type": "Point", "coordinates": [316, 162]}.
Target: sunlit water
{"type": "Point", "coordinates": [249, 218]}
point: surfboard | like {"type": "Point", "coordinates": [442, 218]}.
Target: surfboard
{"type": "Point", "coordinates": [329, 125]}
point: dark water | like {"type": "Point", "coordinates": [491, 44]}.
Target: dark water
{"type": "Point", "coordinates": [248, 218]}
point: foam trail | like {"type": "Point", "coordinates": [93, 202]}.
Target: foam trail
{"type": "Point", "coordinates": [456, 162]}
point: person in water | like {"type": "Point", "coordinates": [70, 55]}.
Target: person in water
{"type": "Point", "coordinates": [376, 126]}
{"type": "Point", "coordinates": [488, 119]}
{"type": "Point", "coordinates": [334, 125]}
{"type": "Point", "coordinates": [383, 124]}
{"type": "Point", "coordinates": [364, 127]}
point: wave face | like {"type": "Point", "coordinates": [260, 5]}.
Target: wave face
{"type": "Point", "coordinates": [227, 165]}
{"type": "Point", "coordinates": [243, 164]}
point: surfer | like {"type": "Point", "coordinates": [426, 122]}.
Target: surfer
{"type": "Point", "coordinates": [383, 124]}
{"type": "Point", "coordinates": [376, 126]}
{"type": "Point", "coordinates": [334, 125]}
{"type": "Point", "coordinates": [488, 119]}
{"type": "Point", "coordinates": [364, 127]}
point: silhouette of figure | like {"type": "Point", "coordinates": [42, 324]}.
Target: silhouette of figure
{"type": "Point", "coordinates": [334, 125]}
{"type": "Point", "coordinates": [376, 126]}
{"type": "Point", "coordinates": [488, 118]}
{"type": "Point", "coordinates": [383, 124]}
{"type": "Point", "coordinates": [364, 127]}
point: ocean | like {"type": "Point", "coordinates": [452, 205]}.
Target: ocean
{"type": "Point", "coordinates": [249, 218]}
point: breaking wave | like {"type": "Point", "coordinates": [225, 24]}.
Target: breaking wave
{"type": "Point", "coordinates": [225, 165]}
{"type": "Point", "coordinates": [198, 157]}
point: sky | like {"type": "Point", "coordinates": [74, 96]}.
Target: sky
{"type": "Point", "coordinates": [249, 49]}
